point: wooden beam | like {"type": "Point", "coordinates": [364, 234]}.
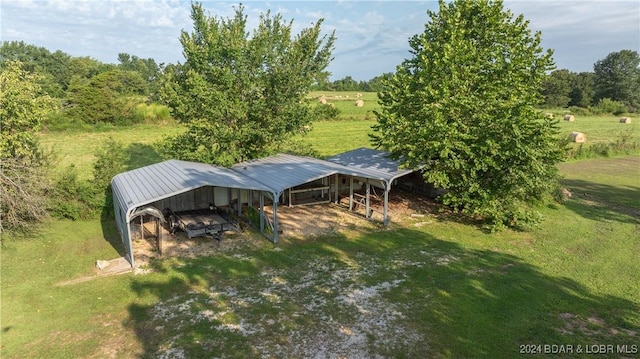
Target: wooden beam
{"type": "Point", "coordinates": [337, 188]}
{"type": "Point", "coordinates": [385, 214]}
{"type": "Point", "coordinates": [351, 193]}
{"type": "Point", "coordinates": [308, 189]}
{"type": "Point", "coordinates": [275, 220]}
{"type": "Point", "coordinates": [239, 203]}
{"type": "Point", "coordinates": [261, 213]}
{"type": "Point", "coordinates": [159, 235]}
{"type": "Point", "coordinates": [367, 200]}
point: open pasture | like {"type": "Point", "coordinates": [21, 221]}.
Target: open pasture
{"type": "Point", "coordinates": [345, 101]}
{"type": "Point", "coordinates": [429, 286]}
{"type": "Point", "coordinates": [601, 128]}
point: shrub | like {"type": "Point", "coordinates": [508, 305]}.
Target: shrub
{"type": "Point", "coordinates": [607, 105]}
{"type": "Point", "coordinates": [152, 114]}
{"type": "Point", "coordinates": [326, 112]}
{"type": "Point", "coordinates": [73, 198]}
{"type": "Point", "coordinates": [111, 159]}
{"type": "Point", "coordinates": [59, 122]}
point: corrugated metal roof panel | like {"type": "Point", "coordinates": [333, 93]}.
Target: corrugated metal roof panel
{"type": "Point", "coordinates": [373, 163]}
{"type": "Point", "coordinates": [150, 183]}
{"type": "Point", "coordinates": [284, 171]}
{"type": "Point", "coordinates": [272, 174]}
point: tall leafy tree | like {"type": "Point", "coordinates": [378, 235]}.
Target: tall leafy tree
{"type": "Point", "coordinates": [617, 77]}
{"type": "Point", "coordinates": [242, 96]}
{"type": "Point", "coordinates": [23, 107]}
{"type": "Point", "coordinates": [108, 97]}
{"type": "Point", "coordinates": [54, 68]}
{"type": "Point", "coordinates": [557, 87]}
{"type": "Point", "coordinates": [147, 68]}
{"type": "Point", "coordinates": [581, 93]}
{"type": "Point", "coordinates": [463, 107]}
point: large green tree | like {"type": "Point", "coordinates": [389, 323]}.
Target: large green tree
{"type": "Point", "coordinates": [581, 93]}
{"type": "Point", "coordinates": [617, 77]}
{"type": "Point", "coordinates": [147, 68]}
{"type": "Point", "coordinates": [108, 97]}
{"type": "Point", "coordinates": [23, 107]}
{"type": "Point", "coordinates": [242, 96]}
{"type": "Point", "coordinates": [557, 87]}
{"type": "Point", "coordinates": [463, 107]}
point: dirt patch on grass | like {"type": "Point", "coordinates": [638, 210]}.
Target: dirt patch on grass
{"type": "Point", "coordinates": [592, 326]}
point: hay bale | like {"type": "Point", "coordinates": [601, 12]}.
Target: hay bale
{"type": "Point", "coordinates": [358, 95]}
{"type": "Point", "coordinates": [625, 119]}
{"type": "Point", "coordinates": [548, 115]}
{"type": "Point", "coordinates": [577, 137]}
{"type": "Point", "coordinates": [323, 100]}
{"type": "Point", "coordinates": [569, 118]}
{"type": "Point", "coordinates": [359, 103]}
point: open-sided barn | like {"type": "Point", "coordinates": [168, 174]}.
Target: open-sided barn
{"type": "Point", "coordinates": [168, 189]}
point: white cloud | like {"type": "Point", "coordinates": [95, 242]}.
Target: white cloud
{"type": "Point", "coordinates": [372, 35]}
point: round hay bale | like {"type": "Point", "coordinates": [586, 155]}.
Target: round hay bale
{"type": "Point", "coordinates": [548, 115]}
{"type": "Point", "coordinates": [569, 118]}
{"type": "Point", "coordinates": [323, 100]}
{"type": "Point", "coordinates": [577, 137]}
{"type": "Point", "coordinates": [625, 120]}
{"type": "Point", "coordinates": [358, 95]}
{"type": "Point", "coordinates": [359, 103]}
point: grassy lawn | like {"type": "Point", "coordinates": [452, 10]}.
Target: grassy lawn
{"type": "Point", "coordinates": [78, 148]}
{"type": "Point", "coordinates": [350, 131]}
{"type": "Point", "coordinates": [333, 137]}
{"type": "Point", "coordinates": [427, 287]}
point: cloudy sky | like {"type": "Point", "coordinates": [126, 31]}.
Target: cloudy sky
{"type": "Point", "coordinates": [372, 36]}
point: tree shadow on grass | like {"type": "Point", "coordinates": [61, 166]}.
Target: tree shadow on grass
{"type": "Point", "coordinates": [604, 202]}
{"type": "Point", "coordinates": [440, 299]}
{"type": "Point", "coordinates": [110, 234]}
{"type": "Point", "coordinates": [138, 155]}
{"type": "Point", "coordinates": [141, 155]}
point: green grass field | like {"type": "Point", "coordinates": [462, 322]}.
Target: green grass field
{"type": "Point", "coordinates": [427, 286]}
{"type": "Point", "coordinates": [327, 137]}
{"type": "Point", "coordinates": [345, 101]}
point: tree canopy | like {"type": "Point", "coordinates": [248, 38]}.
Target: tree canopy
{"type": "Point", "coordinates": [108, 97]}
{"type": "Point", "coordinates": [23, 107]}
{"type": "Point", "coordinates": [241, 96]}
{"type": "Point", "coordinates": [617, 77]}
{"type": "Point", "coordinates": [463, 107]}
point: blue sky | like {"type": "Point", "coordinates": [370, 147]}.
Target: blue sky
{"type": "Point", "coordinates": [372, 36]}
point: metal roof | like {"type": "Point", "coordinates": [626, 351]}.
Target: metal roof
{"type": "Point", "coordinates": [161, 180]}
{"type": "Point", "coordinates": [373, 163]}
{"type": "Point", "coordinates": [284, 171]}
{"type": "Point", "coordinates": [271, 174]}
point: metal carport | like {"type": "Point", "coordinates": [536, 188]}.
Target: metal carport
{"type": "Point", "coordinates": [270, 176]}
{"type": "Point", "coordinates": [136, 188]}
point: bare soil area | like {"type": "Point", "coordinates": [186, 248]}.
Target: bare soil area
{"type": "Point", "coordinates": [294, 222]}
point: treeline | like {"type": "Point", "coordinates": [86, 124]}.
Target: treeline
{"type": "Point", "coordinates": [87, 91]}
{"type": "Point", "coordinates": [90, 92]}
{"type": "Point", "coordinates": [349, 84]}
{"type": "Point", "coordinates": [612, 87]}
